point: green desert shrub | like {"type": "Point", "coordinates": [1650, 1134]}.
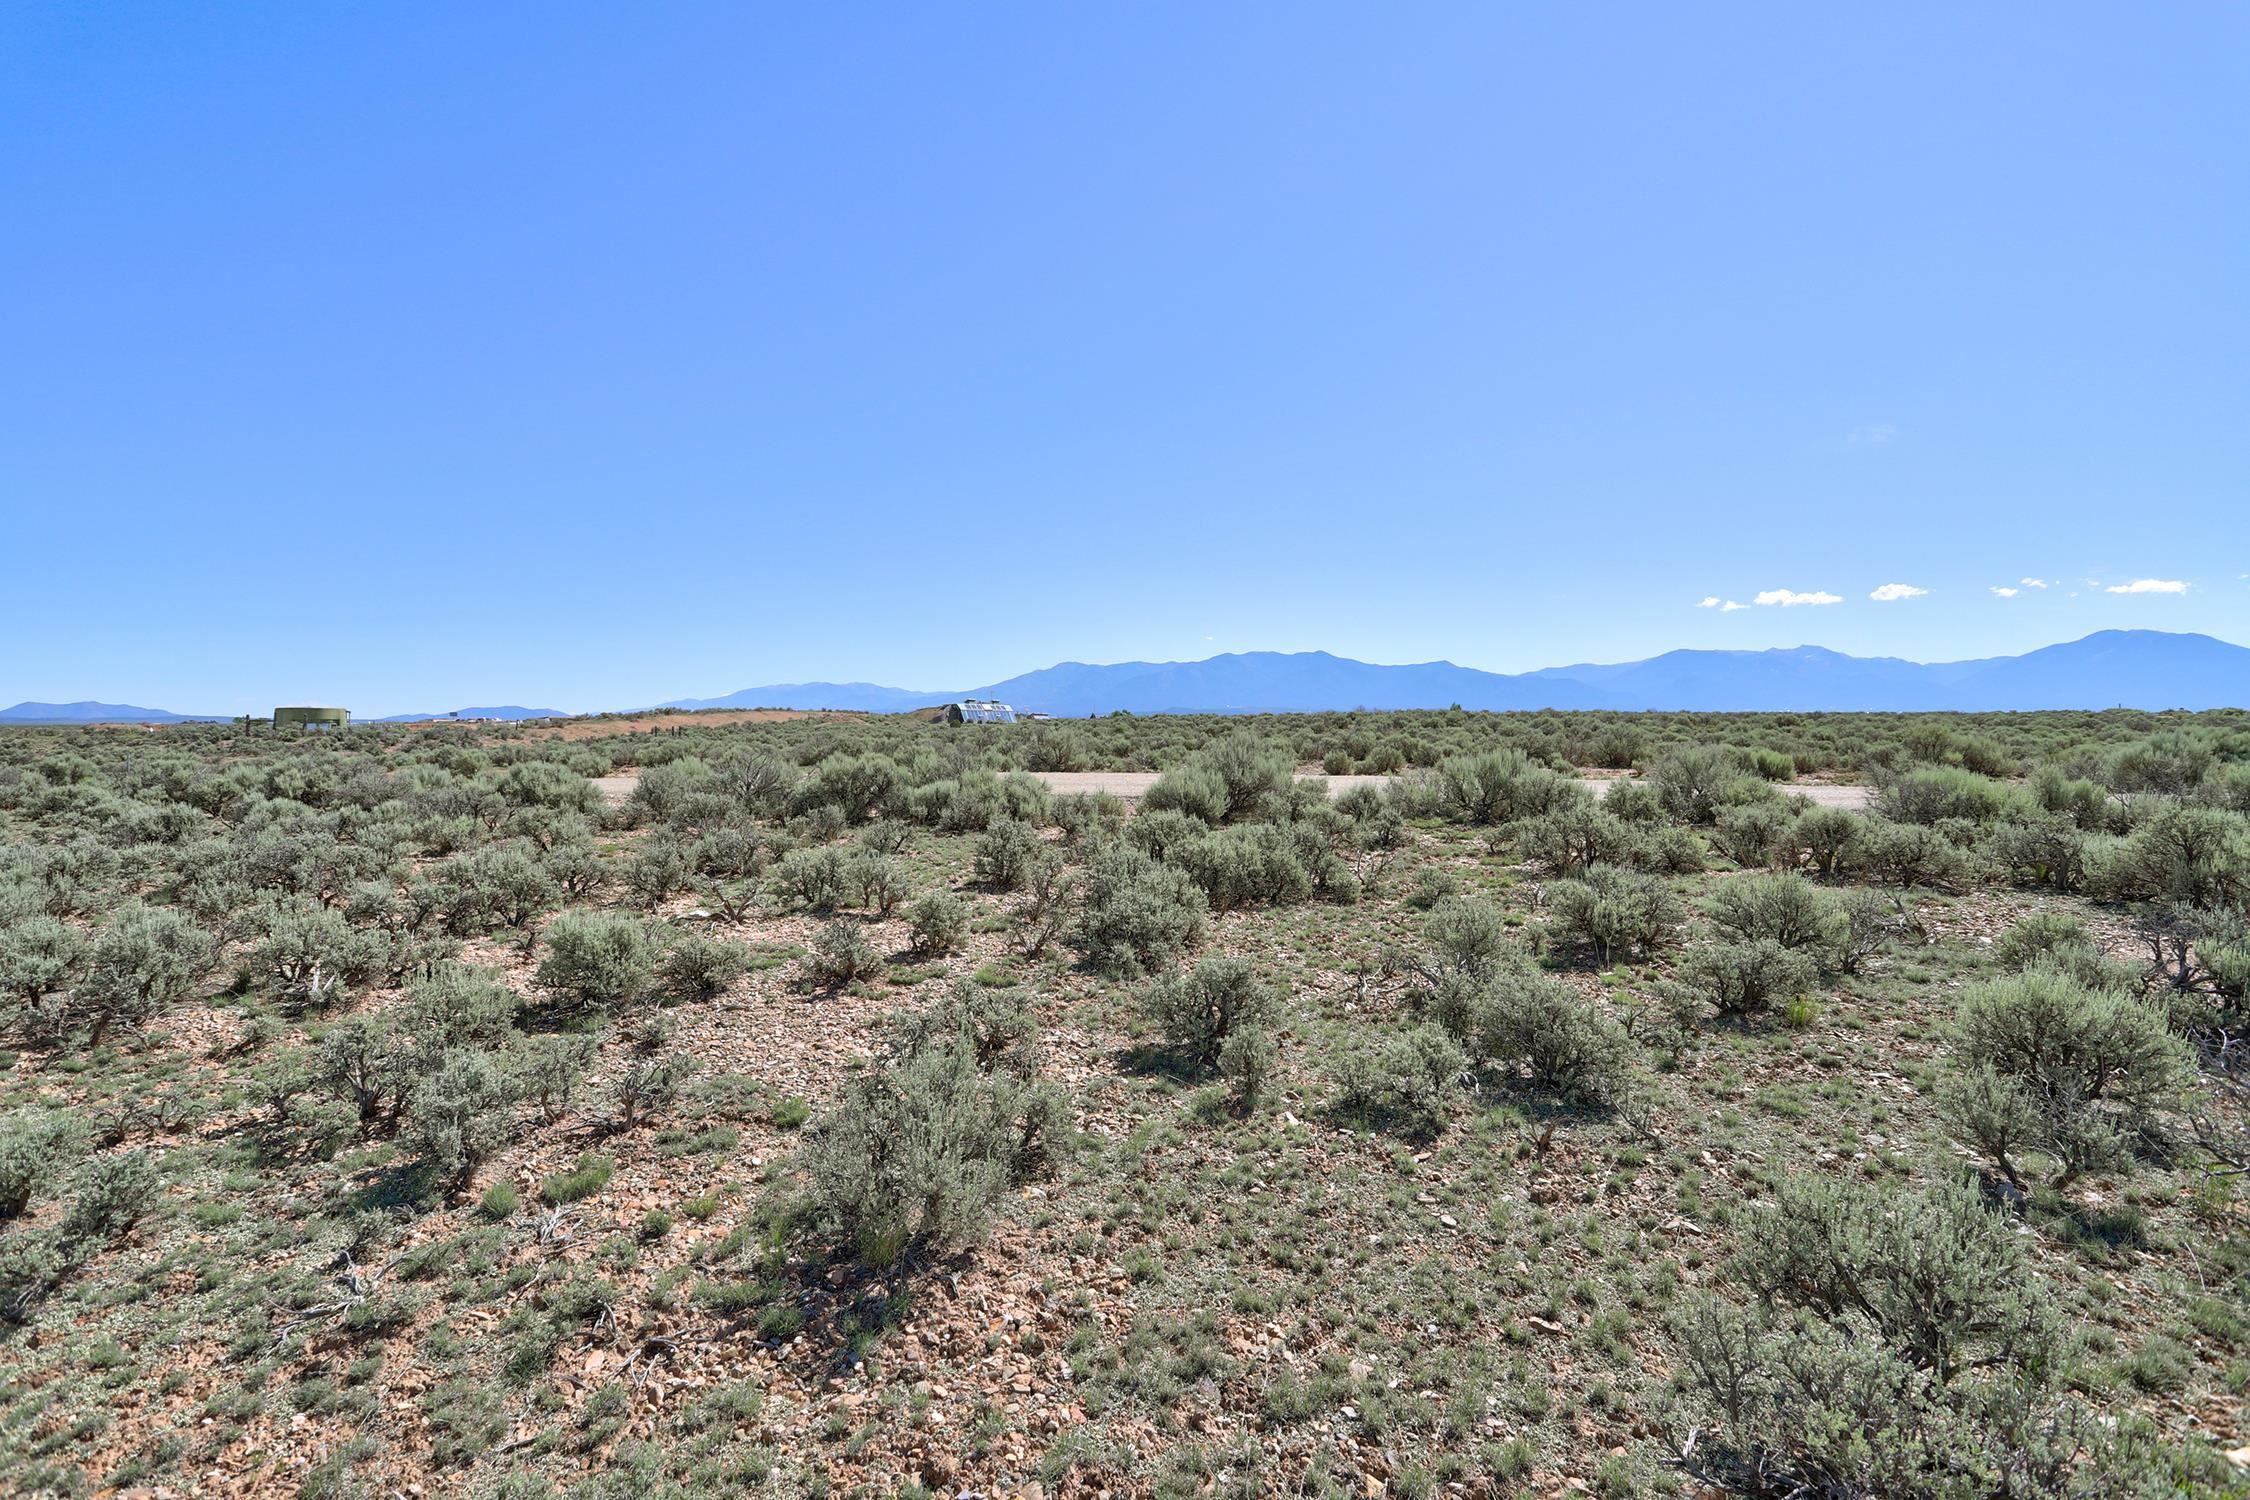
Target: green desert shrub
{"type": "Point", "coordinates": [1502, 786]}
{"type": "Point", "coordinates": [2043, 1063]}
{"type": "Point", "coordinates": [875, 881]}
{"type": "Point", "coordinates": [810, 878]}
{"type": "Point", "coordinates": [1909, 855]}
{"type": "Point", "coordinates": [366, 1064]}
{"type": "Point", "coordinates": [1568, 838]}
{"type": "Point", "coordinates": [1255, 775]}
{"type": "Point", "coordinates": [38, 954]}
{"type": "Point", "coordinates": [1136, 914]}
{"type": "Point", "coordinates": [650, 1082]}
{"type": "Point", "coordinates": [1756, 833]}
{"type": "Point", "coordinates": [1192, 791]}
{"type": "Point", "coordinates": [1406, 1082]}
{"type": "Point", "coordinates": [1615, 911]}
{"type": "Point", "coordinates": [1746, 978]}
{"type": "Point", "coordinates": [1535, 1023]}
{"type": "Point", "coordinates": [2042, 940]}
{"type": "Point", "coordinates": [109, 1195]}
{"type": "Point", "coordinates": [2194, 856]}
{"type": "Point", "coordinates": [310, 954]}
{"type": "Point", "coordinates": [1862, 924]}
{"type": "Point", "coordinates": [1786, 909]}
{"type": "Point", "coordinates": [1248, 864]}
{"type": "Point", "coordinates": [1199, 1010]}
{"type": "Point", "coordinates": [543, 1069]}
{"type": "Point", "coordinates": [144, 960]}
{"type": "Point", "coordinates": [2043, 851]}
{"type": "Point", "coordinates": [1831, 839]}
{"type": "Point", "coordinates": [36, 1145]}
{"type": "Point", "coordinates": [840, 953]}
{"type": "Point", "coordinates": [696, 967]}
{"type": "Point", "coordinates": [460, 1006]}
{"type": "Point", "coordinates": [1634, 803]}
{"type": "Point", "coordinates": [936, 921]}
{"type": "Point", "coordinates": [1004, 851]}
{"type": "Point", "coordinates": [1889, 1344]}
{"type": "Point", "coordinates": [596, 959]}
{"type": "Point", "coordinates": [498, 887]}
{"type": "Point", "coordinates": [1248, 1060]}
{"type": "Point", "coordinates": [460, 1114]}
{"type": "Point", "coordinates": [1936, 794]}
{"type": "Point", "coordinates": [917, 1152]}
{"type": "Point", "coordinates": [1694, 781]}
{"type": "Point", "coordinates": [659, 869]}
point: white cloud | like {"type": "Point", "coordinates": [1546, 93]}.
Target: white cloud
{"type": "Point", "coordinates": [2033, 583]}
{"type": "Point", "coordinates": [1710, 601]}
{"type": "Point", "coordinates": [1724, 607]}
{"type": "Point", "coordinates": [2005, 593]}
{"type": "Point", "coordinates": [1788, 598]}
{"type": "Point", "coordinates": [1873, 435]}
{"type": "Point", "coordinates": [1891, 591]}
{"type": "Point", "coordinates": [2150, 586]}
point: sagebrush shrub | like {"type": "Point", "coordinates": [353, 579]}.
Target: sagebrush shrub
{"type": "Point", "coordinates": [2045, 1063]}
{"type": "Point", "coordinates": [1248, 1061]}
{"type": "Point", "coordinates": [1894, 1343]}
{"type": "Point", "coordinates": [1746, 978]}
{"type": "Point", "coordinates": [1407, 1081]}
{"type": "Point", "coordinates": [698, 967]}
{"type": "Point", "coordinates": [1785, 908]}
{"type": "Point", "coordinates": [1694, 781]}
{"type": "Point", "coordinates": [1004, 852]}
{"type": "Point", "coordinates": [460, 1114]}
{"type": "Point", "coordinates": [1615, 911]}
{"type": "Point", "coordinates": [143, 961]}
{"type": "Point", "coordinates": [916, 1153]}
{"type": "Point", "coordinates": [1577, 834]}
{"type": "Point", "coordinates": [935, 921]}
{"type": "Point", "coordinates": [1136, 914]}
{"type": "Point", "coordinates": [1248, 864]}
{"type": "Point", "coordinates": [460, 1006]}
{"type": "Point", "coordinates": [1830, 837]}
{"type": "Point", "coordinates": [35, 1146]}
{"type": "Point", "coordinates": [650, 1082]}
{"type": "Point", "coordinates": [1199, 1010]}
{"type": "Point", "coordinates": [841, 953]}
{"type": "Point", "coordinates": [596, 959]}
{"type": "Point", "coordinates": [1535, 1022]}
{"type": "Point", "coordinates": [109, 1195]}
{"type": "Point", "coordinates": [1908, 854]}
{"type": "Point", "coordinates": [38, 954]}
{"type": "Point", "coordinates": [1501, 786]}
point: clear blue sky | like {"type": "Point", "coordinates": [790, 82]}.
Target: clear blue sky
{"type": "Point", "coordinates": [599, 354]}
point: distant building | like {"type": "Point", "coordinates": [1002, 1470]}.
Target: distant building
{"type": "Point", "coordinates": [979, 711]}
{"type": "Point", "coordinates": [1036, 717]}
{"type": "Point", "coordinates": [312, 718]}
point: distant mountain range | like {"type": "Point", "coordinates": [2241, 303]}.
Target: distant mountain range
{"type": "Point", "coordinates": [511, 712]}
{"type": "Point", "coordinates": [2149, 669]}
{"type": "Point", "coordinates": [97, 713]}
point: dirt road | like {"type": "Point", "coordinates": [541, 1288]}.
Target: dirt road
{"type": "Point", "coordinates": [1130, 785]}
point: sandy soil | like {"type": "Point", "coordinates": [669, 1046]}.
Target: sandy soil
{"type": "Point", "coordinates": [1131, 784]}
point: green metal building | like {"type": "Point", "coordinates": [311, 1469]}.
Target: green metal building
{"type": "Point", "coordinates": [301, 719]}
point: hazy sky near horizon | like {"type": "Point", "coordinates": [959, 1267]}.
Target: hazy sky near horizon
{"type": "Point", "coordinates": [417, 356]}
